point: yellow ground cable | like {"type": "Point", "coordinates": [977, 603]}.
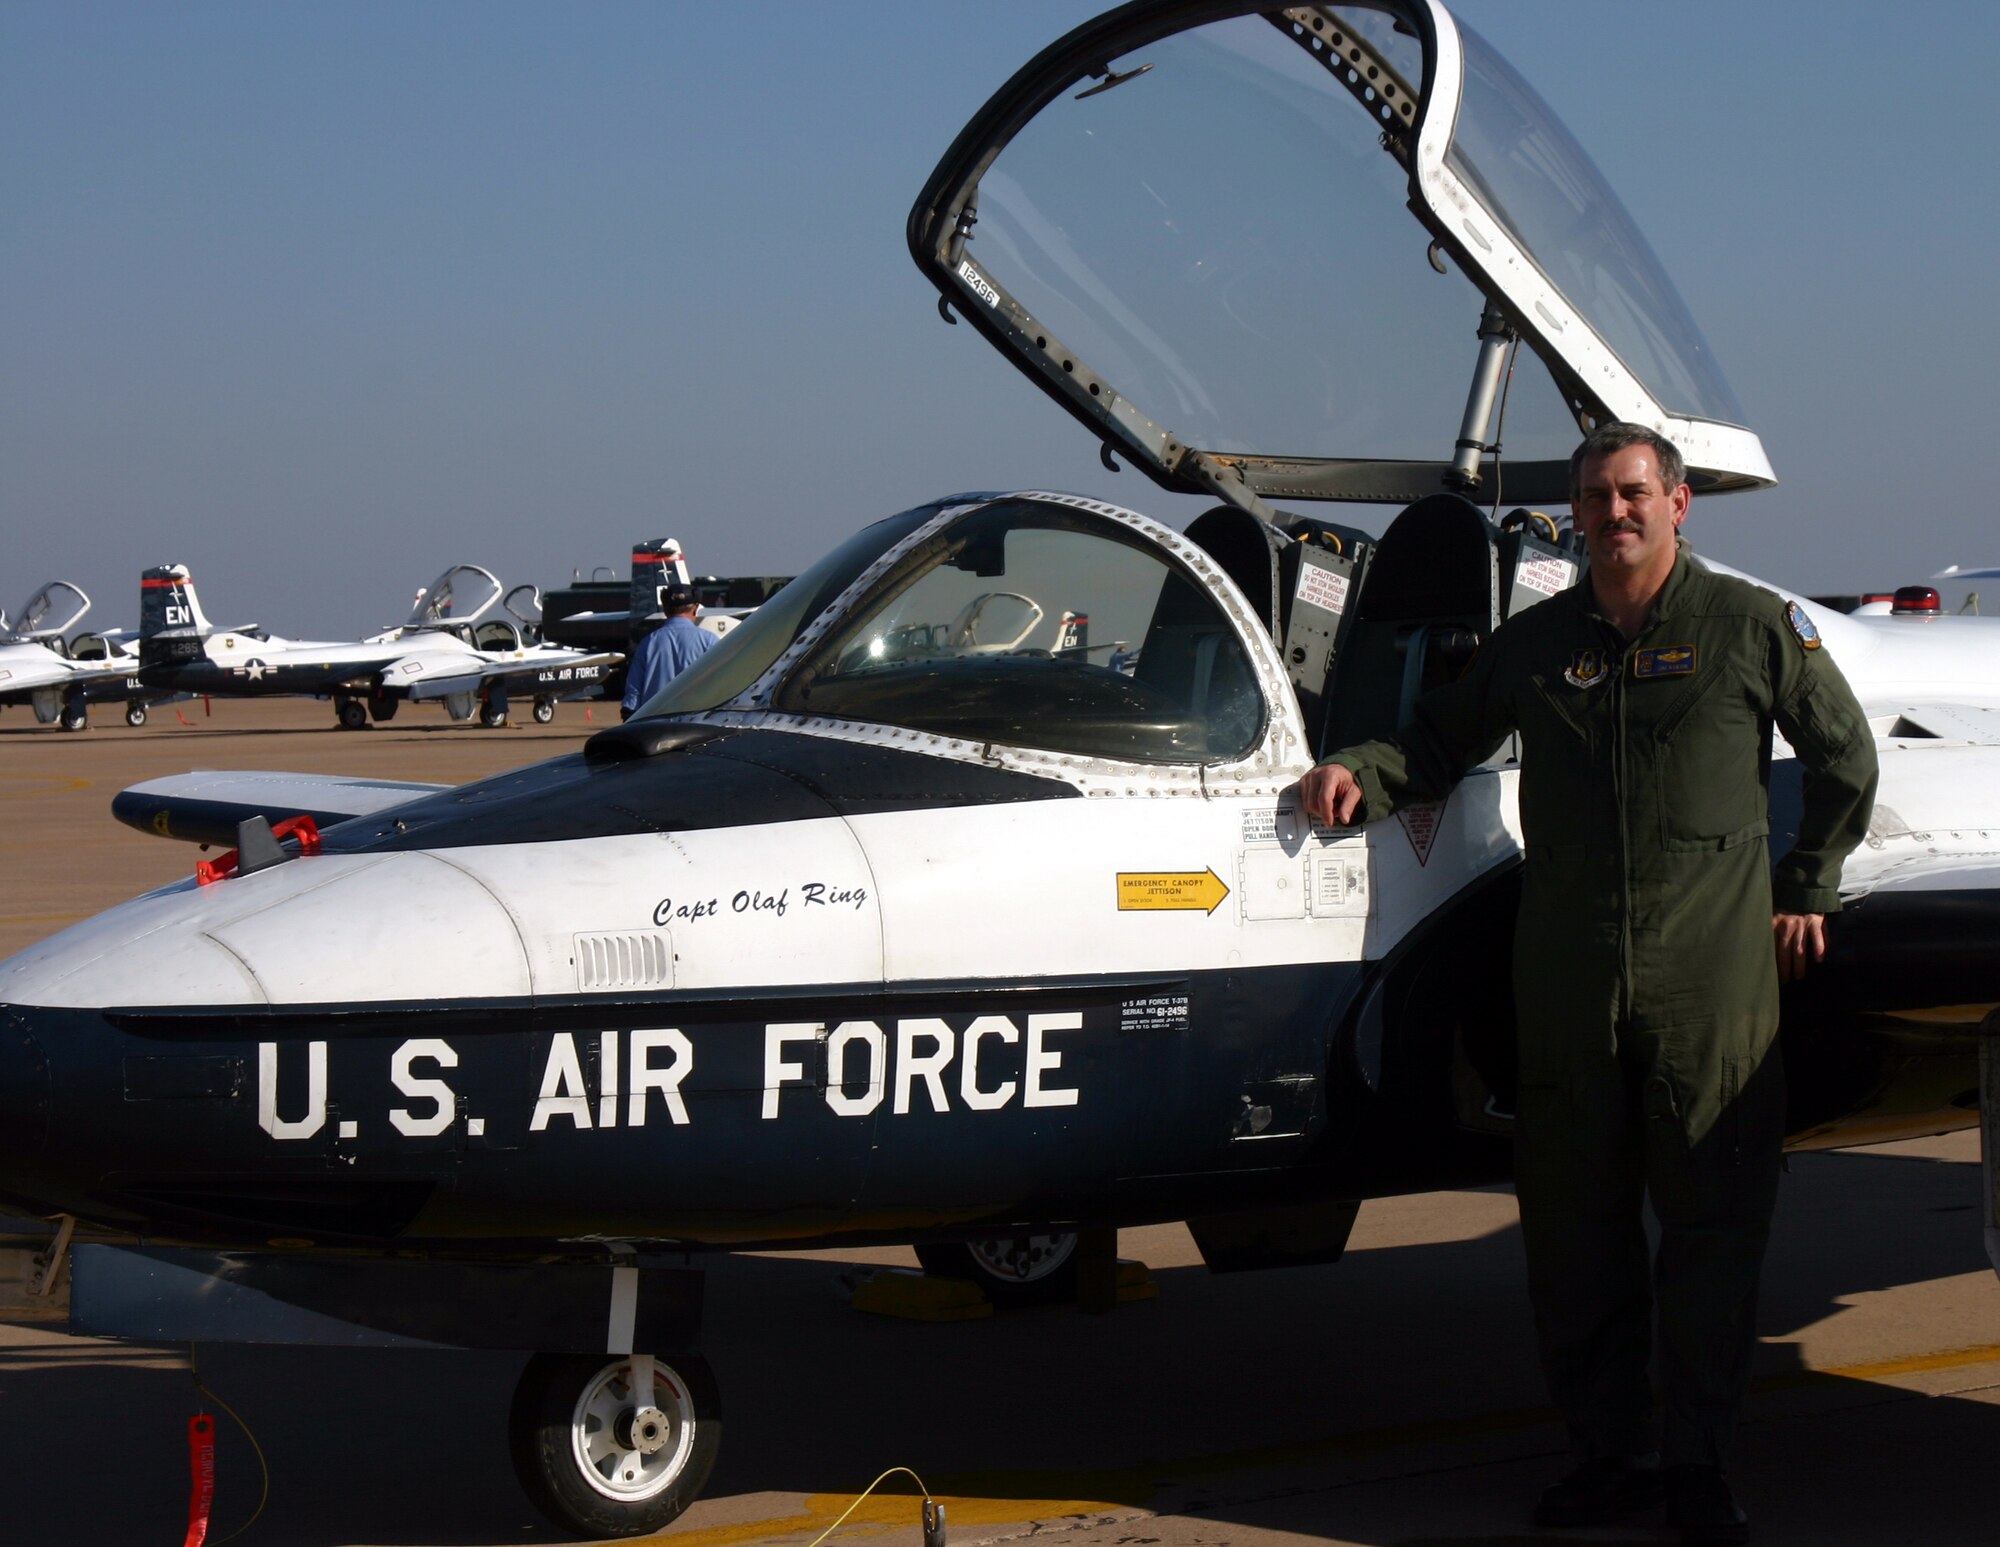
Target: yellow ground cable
{"type": "Point", "coordinates": [858, 1501]}
{"type": "Point", "coordinates": [257, 1450]}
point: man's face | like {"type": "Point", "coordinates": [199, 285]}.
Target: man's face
{"type": "Point", "coordinates": [1628, 519]}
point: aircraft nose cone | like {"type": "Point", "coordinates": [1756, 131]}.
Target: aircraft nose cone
{"type": "Point", "coordinates": [24, 1095]}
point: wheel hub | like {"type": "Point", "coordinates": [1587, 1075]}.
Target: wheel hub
{"type": "Point", "coordinates": [1023, 1259]}
{"type": "Point", "coordinates": [625, 1450]}
{"type": "Point", "coordinates": [644, 1429]}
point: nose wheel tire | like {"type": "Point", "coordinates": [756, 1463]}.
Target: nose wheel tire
{"type": "Point", "coordinates": [545, 710]}
{"type": "Point", "coordinates": [353, 714]}
{"type": "Point", "coordinates": [1012, 1270]}
{"type": "Point", "coordinates": [135, 715]}
{"type": "Point", "coordinates": [595, 1459]}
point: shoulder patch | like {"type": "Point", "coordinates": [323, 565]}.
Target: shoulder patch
{"type": "Point", "coordinates": [1801, 626]}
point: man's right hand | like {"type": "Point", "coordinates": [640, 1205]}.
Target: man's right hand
{"type": "Point", "coordinates": [1331, 795]}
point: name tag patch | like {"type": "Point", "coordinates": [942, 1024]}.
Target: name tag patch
{"type": "Point", "coordinates": [1663, 661]}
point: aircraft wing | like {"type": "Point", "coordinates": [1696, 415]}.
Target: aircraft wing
{"type": "Point", "coordinates": [1974, 724]}
{"type": "Point", "coordinates": [204, 807]}
{"type": "Point", "coordinates": [553, 674]}
{"type": "Point", "coordinates": [1921, 896]}
{"type": "Point", "coordinates": [26, 670]}
{"type": "Point", "coordinates": [19, 684]}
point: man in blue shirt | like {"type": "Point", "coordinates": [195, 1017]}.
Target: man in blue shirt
{"type": "Point", "coordinates": [669, 650]}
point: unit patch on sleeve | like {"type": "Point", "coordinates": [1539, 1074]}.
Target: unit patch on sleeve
{"type": "Point", "coordinates": [1802, 626]}
{"type": "Point", "coordinates": [1663, 661]}
{"type": "Point", "coordinates": [1586, 668]}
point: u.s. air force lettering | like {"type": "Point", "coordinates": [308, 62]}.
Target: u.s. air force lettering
{"type": "Point", "coordinates": [626, 1077]}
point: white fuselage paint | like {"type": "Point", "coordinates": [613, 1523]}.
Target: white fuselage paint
{"type": "Point", "coordinates": [995, 893]}
{"type": "Point", "coordinates": [27, 666]}
{"type": "Point", "coordinates": [1002, 893]}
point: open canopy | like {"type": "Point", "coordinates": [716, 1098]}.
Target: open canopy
{"type": "Point", "coordinates": [1190, 222]}
{"type": "Point", "coordinates": [51, 612]}
{"type": "Point", "coordinates": [459, 595]}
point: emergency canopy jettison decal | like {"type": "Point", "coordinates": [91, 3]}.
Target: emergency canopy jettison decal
{"type": "Point", "coordinates": [1180, 222]}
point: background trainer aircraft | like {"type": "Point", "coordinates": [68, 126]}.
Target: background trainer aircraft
{"type": "Point", "coordinates": [451, 648]}
{"type": "Point", "coordinates": [60, 677]}
{"type": "Point", "coordinates": [582, 622]}
{"type": "Point", "coordinates": [757, 969]}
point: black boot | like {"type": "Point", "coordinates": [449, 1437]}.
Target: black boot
{"type": "Point", "coordinates": [1700, 1502]}
{"type": "Point", "coordinates": [1600, 1491]}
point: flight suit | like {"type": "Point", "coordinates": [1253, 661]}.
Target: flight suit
{"type": "Point", "coordinates": [1645, 976]}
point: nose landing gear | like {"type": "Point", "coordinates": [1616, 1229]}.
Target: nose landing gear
{"type": "Point", "coordinates": [614, 1445]}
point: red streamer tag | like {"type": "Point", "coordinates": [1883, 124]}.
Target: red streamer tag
{"type": "Point", "coordinates": [201, 1474]}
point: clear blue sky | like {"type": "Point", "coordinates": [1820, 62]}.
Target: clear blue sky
{"type": "Point", "coordinates": [321, 298]}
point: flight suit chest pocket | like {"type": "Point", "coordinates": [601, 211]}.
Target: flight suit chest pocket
{"type": "Point", "coordinates": [1555, 711]}
{"type": "Point", "coordinates": [1565, 734]}
{"type": "Point", "coordinates": [1703, 736]}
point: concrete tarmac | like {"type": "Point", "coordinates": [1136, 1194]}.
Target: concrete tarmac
{"type": "Point", "coordinates": [1389, 1399]}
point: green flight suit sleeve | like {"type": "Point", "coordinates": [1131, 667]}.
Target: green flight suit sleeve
{"type": "Point", "coordinates": [1452, 729]}
{"type": "Point", "coordinates": [1819, 715]}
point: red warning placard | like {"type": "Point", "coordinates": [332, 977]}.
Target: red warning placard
{"type": "Point", "coordinates": [1421, 820]}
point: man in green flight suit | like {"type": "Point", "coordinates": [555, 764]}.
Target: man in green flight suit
{"type": "Point", "coordinates": [1652, 936]}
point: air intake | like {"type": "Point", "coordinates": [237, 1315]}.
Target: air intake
{"type": "Point", "coordinates": [642, 959]}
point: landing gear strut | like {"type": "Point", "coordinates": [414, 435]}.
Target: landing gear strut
{"type": "Point", "coordinates": [614, 1445]}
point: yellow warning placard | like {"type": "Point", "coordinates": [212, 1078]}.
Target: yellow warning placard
{"type": "Point", "coordinates": [1176, 891]}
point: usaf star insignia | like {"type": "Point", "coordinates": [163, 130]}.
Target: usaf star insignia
{"type": "Point", "coordinates": [1586, 668]}
{"type": "Point", "coordinates": [1802, 626]}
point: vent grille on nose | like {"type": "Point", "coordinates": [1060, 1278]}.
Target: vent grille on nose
{"type": "Point", "coordinates": [641, 959]}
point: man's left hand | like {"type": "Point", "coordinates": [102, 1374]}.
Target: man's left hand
{"type": "Point", "coordinates": [1801, 940]}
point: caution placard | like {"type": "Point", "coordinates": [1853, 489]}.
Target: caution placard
{"type": "Point", "coordinates": [1171, 891]}
{"type": "Point", "coordinates": [1421, 820]}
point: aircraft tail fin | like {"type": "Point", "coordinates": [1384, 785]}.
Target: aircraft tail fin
{"type": "Point", "coordinates": [171, 623]}
{"type": "Point", "coordinates": [655, 563]}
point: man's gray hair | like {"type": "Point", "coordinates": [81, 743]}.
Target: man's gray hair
{"type": "Point", "coordinates": [1616, 436]}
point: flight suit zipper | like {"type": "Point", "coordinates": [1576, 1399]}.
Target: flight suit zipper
{"type": "Point", "coordinates": [1619, 784]}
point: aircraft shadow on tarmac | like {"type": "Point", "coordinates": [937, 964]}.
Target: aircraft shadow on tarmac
{"type": "Point", "coordinates": [1280, 1400]}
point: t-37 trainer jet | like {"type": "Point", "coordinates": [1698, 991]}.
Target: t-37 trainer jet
{"type": "Point", "coordinates": [753, 969]}
{"type": "Point", "coordinates": [451, 648]}
{"type": "Point", "coordinates": [58, 676]}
